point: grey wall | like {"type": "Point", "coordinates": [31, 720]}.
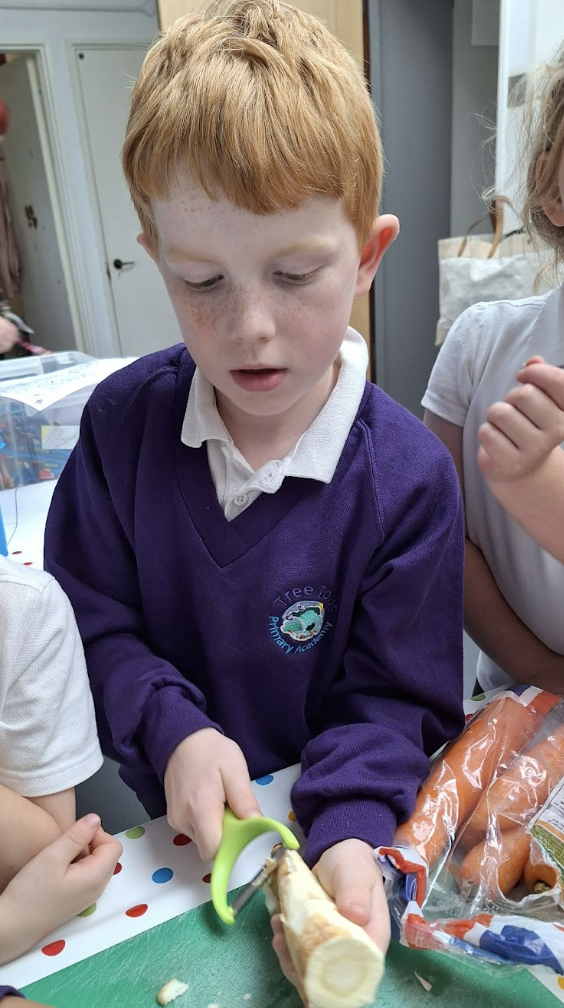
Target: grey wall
{"type": "Point", "coordinates": [433, 89]}
{"type": "Point", "coordinates": [474, 90]}
{"type": "Point", "coordinates": [410, 46]}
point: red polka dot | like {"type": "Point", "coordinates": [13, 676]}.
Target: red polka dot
{"type": "Point", "coordinates": [28, 563]}
{"type": "Point", "coordinates": [207, 878]}
{"type": "Point", "coordinates": [17, 552]}
{"type": "Point", "coordinates": [180, 840]}
{"type": "Point", "coordinates": [137, 911]}
{"type": "Point", "coordinates": [117, 868]}
{"type": "Point", "coordinates": [55, 948]}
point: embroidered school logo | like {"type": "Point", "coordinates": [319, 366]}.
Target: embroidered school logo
{"type": "Point", "coordinates": [305, 621]}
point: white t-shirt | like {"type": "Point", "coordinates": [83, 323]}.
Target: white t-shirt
{"type": "Point", "coordinates": [476, 366]}
{"type": "Point", "coordinates": [48, 738]}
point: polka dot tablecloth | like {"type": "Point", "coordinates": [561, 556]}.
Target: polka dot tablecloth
{"type": "Point", "coordinates": [159, 876]}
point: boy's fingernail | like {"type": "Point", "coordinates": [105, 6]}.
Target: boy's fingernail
{"type": "Point", "coordinates": [91, 819]}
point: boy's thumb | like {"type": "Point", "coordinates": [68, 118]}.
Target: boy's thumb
{"type": "Point", "coordinates": [79, 835]}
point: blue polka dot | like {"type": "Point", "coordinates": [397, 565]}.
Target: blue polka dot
{"type": "Point", "coordinates": [265, 780]}
{"type": "Point", "coordinates": [162, 875]}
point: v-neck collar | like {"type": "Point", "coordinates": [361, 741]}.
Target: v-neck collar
{"type": "Point", "coordinates": [226, 541]}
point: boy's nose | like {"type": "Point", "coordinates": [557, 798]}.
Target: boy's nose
{"type": "Point", "coordinates": [251, 319]}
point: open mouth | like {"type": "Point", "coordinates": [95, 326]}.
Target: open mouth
{"type": "Point", "coordinates": [259, 379]}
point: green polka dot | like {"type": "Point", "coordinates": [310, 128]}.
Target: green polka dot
{"type": "Point", "coordinates": [479, 696]}
{"type": "Point", "coordinates": [89, 911]}
{"type": "Point", "coordinates": [135, 833]}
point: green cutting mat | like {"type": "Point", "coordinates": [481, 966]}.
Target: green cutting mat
{"type": "Point", "coordinates": [222, 964]}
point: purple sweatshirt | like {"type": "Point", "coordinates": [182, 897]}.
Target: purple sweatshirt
{"type": "Point", "coordinates": [322, 624]}
{"type": "Point", "coordinates": [4, 991]}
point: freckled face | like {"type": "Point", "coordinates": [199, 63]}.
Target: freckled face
{"type": "Point", "coordinates": [263, 302]}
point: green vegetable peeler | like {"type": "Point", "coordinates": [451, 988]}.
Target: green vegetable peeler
{"type": "Point", "coordinates": [237, 833]}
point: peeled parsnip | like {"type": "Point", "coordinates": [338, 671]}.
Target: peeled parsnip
{"type": "Point", "coordinates": [337, 963]}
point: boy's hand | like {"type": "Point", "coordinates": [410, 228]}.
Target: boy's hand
{"type": "Point", "coordinates": [523, 430]}
{"type": "Point", "coordinates": [206, 772]}
{"type": "Point", "coordinates": [54, 887]}
{"type": "Point", "coordinates": [349, 874]}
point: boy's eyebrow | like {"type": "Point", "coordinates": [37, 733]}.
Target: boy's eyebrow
{"type": "Point", "coordinates": [179, 256]}
{"type": "Point", "coordinates": [307, 245]}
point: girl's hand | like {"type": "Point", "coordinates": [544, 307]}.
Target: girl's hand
{"type": "Point", "coordinates": [521, 432]}
{"type": "Point", "coordinates": [54, 886]}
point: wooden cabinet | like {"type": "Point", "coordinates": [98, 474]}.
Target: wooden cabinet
{"type": "Point", "coordinates": [345, 19]}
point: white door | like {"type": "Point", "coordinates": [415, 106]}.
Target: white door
{"type": "Point", "coordinates": [144, 317]}
{"type": "Point", "coordinates": [43, 283]}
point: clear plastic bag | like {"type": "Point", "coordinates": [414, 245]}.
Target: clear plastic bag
{"type": "Point", "coordinates": [478, 869]}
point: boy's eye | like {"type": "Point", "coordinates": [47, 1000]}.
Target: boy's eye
{"type": "Point", "coordinates": [203, 284]}
{"type": "Point", "coordinates": [297, 278]}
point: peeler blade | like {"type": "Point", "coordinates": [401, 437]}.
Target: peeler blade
{"type": "Point", "coordinates": [247, 892]}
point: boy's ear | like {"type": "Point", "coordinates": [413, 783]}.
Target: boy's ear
{"type": "Point", "coordinates": [142, 241]}
{"type": "Point", "coordinates": [553, 208]}
{"type": "Point", "coordinates": [384, 232]}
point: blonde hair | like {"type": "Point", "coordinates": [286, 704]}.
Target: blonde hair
{"type": "Point", "coordinates": [544, 126]}
{"type": "Point", "coordinates": [258, 101]}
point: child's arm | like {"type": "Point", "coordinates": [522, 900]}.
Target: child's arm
{"type": "Point", "coordinates": [12, 1000]}
{"type": "Point", "coordinates": [52, 887]}
{"type": "Point", "coordinates": [536, 501]}
{"type": "Point", "coordinates": [150, 717]}
{"type": "Point", "coordinates": [488, 618]}
{"type": "Point", "coordinates": [521, 457]}
{"type": "Point", "coordinates": [60, 806]}
{"type": "Point", "coordinates": [397, 695]}
{"type": "Point", "coordinates": [25, 829]}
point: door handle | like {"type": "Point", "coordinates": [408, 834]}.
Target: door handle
{"type": "Point", "coordinates": [119, 264]}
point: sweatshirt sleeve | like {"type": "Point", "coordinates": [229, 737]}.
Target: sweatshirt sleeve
{"type": "Point", "coordinates": [144, 706]}
{"type": "Point", "coordinates": [398, 697]}
{"type": "Point", "coordinates": [4, 991]}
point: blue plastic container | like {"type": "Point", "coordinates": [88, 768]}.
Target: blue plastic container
{"type": "Point", "coordinates": [3, 543]}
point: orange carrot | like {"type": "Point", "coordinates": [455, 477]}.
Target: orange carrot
{"type": "Point", "coordinates": [539, 874]}
{"type": "Point", "coordinates": [457, 778]}
{"type": "Point", "coordinates": [496, 864]}
{"type": "Point", "coordinates": [520, 791]}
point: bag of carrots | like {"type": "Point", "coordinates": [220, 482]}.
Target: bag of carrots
{"type": "Point", "coordinates": [478, 869]}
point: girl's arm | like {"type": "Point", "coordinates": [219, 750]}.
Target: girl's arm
{"type": "Point", "coordinates": [25, 829]}
{"type": "Point", "coordinates": [488, 618]}
{"type": "Point", "coordinates": [12, 1001]}
{"type": "Point", "coordinates": [61, 807]}
{"type": "Point", "coordinates": [536, 501]}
